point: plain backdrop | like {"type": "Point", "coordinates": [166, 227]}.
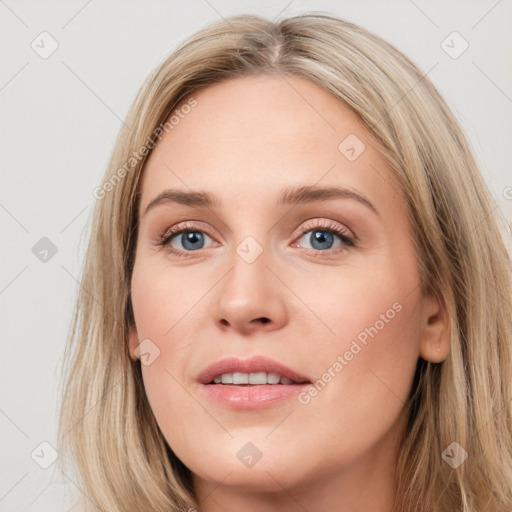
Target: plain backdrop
{"type": "Point", "coordinates": [60, 116]}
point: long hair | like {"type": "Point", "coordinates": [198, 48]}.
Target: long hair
{"type": "Point", "coordinates": [106, 424]}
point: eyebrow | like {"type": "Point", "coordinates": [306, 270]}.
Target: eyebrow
{"type": "Point", "coordinates": [289, 196]}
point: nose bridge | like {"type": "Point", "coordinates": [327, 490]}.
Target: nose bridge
{"type": "Point", "coordinates": [249, 276]}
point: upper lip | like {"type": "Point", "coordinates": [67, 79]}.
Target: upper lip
{"type": "Point", "coordinates": [251, 365]}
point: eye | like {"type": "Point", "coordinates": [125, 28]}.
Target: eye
{"type": "Point", "coordinates": [183, 238]}
{"type": "Point", "coordinates": [326, 236]}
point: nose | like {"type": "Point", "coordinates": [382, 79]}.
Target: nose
{"type": "Point", "coordinates": [250, 298]}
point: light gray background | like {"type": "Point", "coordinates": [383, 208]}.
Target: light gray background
{"type": "Point", "coordinates": [59, 120]}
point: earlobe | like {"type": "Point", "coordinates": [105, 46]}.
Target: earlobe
{"type": "Point", "coordinates": [435, 337]}
{"type": "Point", "coordinates": [133, 342]}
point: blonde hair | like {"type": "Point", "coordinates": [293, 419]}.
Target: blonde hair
{"type": "Point", "coordinates": [106, 421]}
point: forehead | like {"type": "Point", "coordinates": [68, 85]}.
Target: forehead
{"type": "Point", "coordinates": [248, 136]}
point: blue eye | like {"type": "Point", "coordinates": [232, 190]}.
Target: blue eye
{"type": "Point", "coordinates": [191, 240]}
{"type": "Point", "coordinates": [184, 239]}
{"type": "Point", "coordinates": [320, 239]}
{"type": "Point", "coordinates": [323, 239]}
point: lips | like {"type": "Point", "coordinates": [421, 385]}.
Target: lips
{"type": "Point", "coordinates": [252, 365]}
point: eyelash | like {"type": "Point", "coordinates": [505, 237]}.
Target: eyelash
{"type": "Point", "coordinates": [167, 236]}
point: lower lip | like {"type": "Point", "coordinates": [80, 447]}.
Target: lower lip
{"type": "Point", "coordinates": [251, 397]}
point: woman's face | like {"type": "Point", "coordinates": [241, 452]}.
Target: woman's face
{"type": "Point", "coordinates": [325, 284]}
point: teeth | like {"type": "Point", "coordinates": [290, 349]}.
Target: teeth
{"type": "Point", "coordinates": [257, 378]}
{"type": "Point", "coordinates": [239, 378]}
{"type": "Point", "coordinates": [227, 378]}
{"type": "Point", "coordinates": [273, 378]}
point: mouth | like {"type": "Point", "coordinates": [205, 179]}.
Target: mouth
{"type": "Point", "coordinates": [254, 379]}
{"type": "Point", "coordinates": [255, 371]}
{"type": "Point", "coordinates": [250, 384]}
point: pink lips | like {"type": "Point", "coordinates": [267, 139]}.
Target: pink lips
{"type": "Point", "coordinates": [250, 396]}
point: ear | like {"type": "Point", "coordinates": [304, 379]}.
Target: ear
{"type": "Point", "coordinates": [435, 336]}
{"type": "Point", "coordinates": [133, 342]}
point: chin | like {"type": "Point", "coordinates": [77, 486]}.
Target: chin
{"type": "Point", "coordinates": [260, 478]}
{"type": "Point", "coordinates": [243, 465]}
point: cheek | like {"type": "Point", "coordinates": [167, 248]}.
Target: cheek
{"type": "Point", "coordinates": [368, 366]}
{"type": "Point", "coordinates": [164, 316]}
{"type": "Point", "coordinates": [369, 348]}
{"type": "Point", "coordinates": [162, 298]}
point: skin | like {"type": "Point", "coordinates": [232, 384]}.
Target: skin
{"type": "Point", "coordinates": [245, 141]}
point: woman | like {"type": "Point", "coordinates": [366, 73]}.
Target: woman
{"type": "Point", "coordinates": [297, 294]}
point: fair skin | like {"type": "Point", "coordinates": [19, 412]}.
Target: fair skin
{"type": "Point", "coordinates": [299, 302]}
